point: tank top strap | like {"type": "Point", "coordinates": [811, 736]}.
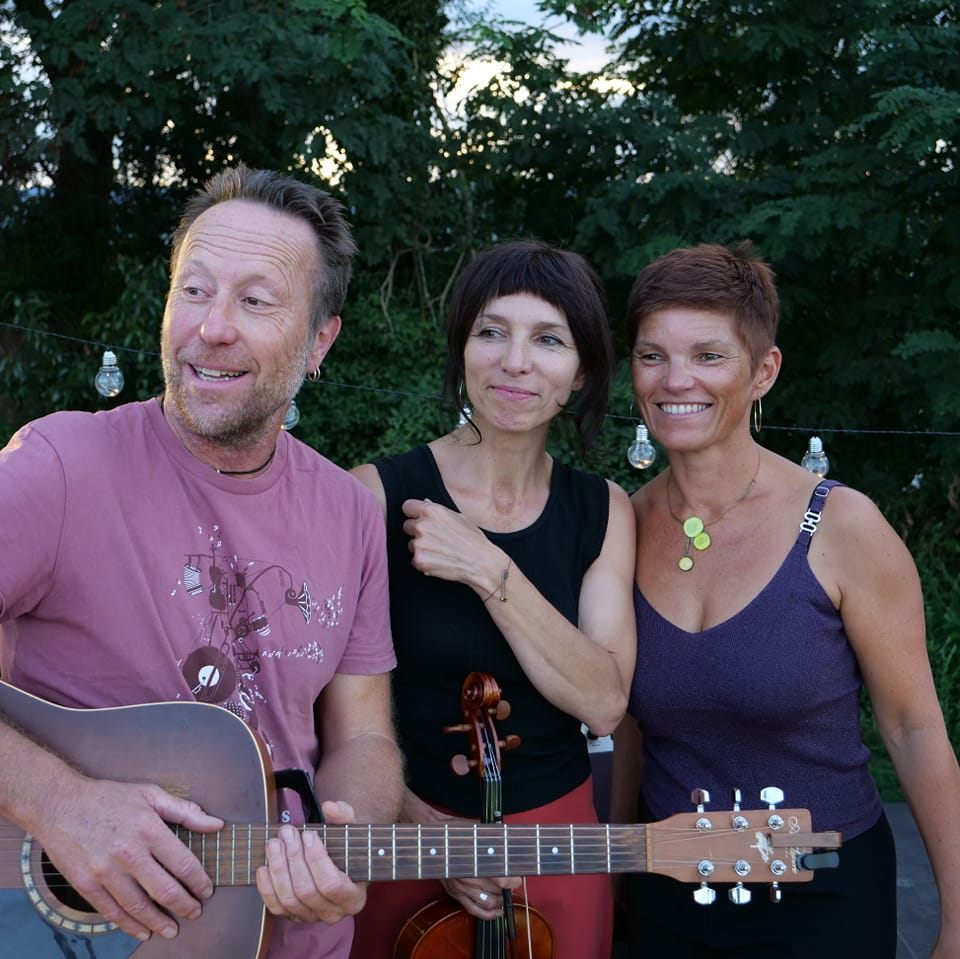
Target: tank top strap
{"type": "Point", "coordinates": [811, 518]}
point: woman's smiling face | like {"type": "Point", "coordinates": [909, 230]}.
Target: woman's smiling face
{"type": "Point", "coordinates": [692, 377]}
{"type": "Point", "coordinates": [520, 363]}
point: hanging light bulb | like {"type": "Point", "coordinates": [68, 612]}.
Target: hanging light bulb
{"type": "Point", "coordinates": [815, 459]}
{"type": "Point", "coordinates": [292, 417]}
{"type": "Point", "coordinates": [109, 379]}
{"type": "Point", "coordinates": [640, 453]}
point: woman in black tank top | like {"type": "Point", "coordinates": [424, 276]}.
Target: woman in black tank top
{"type": "Point", "coordinates": [503, 560]}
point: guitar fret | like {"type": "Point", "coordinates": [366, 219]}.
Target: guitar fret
{"type": "Point", "coordinates": [442, 851]}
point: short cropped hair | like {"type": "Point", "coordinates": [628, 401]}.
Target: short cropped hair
{"type": "Point", "coordinates": [323, 213]}
{"type": "Point", "coordinates": [714, 278]}
{"type": "Point", "coordinates": [561, 278]}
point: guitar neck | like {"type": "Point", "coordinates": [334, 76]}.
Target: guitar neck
{"type": "Point", "coordinates": [411, 851]}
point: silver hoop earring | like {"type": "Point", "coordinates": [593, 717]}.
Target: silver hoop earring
{"type": "Point", "coordinates": [757, 415]}
{"type": "Point", "coordinates": [466, 410]}
{"type": "Point", "coordinates": [314, 375]}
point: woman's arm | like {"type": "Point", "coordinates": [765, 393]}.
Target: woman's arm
{"type": "Point", "coordinates": [881, 604]}
{"type": "Point", "coordinates": [584, 671]}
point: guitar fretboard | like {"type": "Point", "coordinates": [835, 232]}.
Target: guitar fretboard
{"type": "Point", "coordinates": [409, 851]}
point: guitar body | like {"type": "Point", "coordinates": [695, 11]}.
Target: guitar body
{"type": "Point", "coordinates": [194, 750]}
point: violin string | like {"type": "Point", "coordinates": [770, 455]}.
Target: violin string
{"type": "Point", "coordinates": [526, 906]}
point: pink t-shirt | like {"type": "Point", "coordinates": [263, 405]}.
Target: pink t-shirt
{"type": "Point", "coordinates": [134, 573]}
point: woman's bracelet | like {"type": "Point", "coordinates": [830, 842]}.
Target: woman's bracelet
{"type": "Point", "coordinates": [503, 584]}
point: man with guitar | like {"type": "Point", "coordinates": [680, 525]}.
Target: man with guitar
{"type": "Point", "coordinates": [186, 549]}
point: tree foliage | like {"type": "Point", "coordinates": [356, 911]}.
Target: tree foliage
{"type": "Point", "coordinates": [827, 133]}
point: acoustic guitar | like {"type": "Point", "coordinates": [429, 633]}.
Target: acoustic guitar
{"type": "Point", "coordinates": [205, 753]}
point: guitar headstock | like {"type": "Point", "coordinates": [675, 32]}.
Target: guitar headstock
{"type": "Point", "coordinates": [739, 846]}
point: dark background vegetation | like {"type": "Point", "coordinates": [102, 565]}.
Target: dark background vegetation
{"type": "Point", "coordinates": [827, 133]}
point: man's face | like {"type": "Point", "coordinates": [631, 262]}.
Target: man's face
{"type": "Point", "coordinates": [236, 342]}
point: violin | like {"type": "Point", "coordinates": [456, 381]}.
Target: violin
{"type": "Point", "coordinates": [444, 929]}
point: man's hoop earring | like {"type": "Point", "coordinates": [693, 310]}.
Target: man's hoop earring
{"type": "Point", "coordinates": [314, 375]}
{"type": "Point", "coordinates": [757, 415]}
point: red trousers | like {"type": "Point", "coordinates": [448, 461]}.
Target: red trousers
{"type": "Point", "coordinates": [579, 909]}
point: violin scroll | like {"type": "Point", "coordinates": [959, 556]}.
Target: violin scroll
{"type": "Point", "coordinates": [482, 707]}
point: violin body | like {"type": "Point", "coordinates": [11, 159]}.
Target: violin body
{"type": "Point", "coordinates": [443, 930]}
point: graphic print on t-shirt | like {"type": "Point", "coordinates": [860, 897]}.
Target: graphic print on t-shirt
{"type": "Point", "coordinates": [249, 611]}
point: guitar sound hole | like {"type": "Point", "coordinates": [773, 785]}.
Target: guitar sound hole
{"type": "Point", "coordinates": [62, 889]}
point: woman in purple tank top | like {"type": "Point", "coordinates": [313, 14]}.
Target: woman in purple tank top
{"type": "Point", "coordinates": [765, 598]}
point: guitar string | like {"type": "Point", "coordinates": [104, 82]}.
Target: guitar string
{"type": "Point", "coordinates": [585, 848]}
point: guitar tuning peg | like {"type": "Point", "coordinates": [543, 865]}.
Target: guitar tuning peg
{"type": "Point", "coordinates": [771, 795]}
{"type": "Point", "coordinates": [776, 893]}
{"type": "Point", "coordinates": [701, 797]}
{"type": "Point", "coordinates": [739, 895]}
{"type": "Point", "coordinates": [704, 895]}
{"type": "Point", "coordinates": [738, 822]}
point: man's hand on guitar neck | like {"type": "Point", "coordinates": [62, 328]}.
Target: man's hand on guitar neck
{"type": "Point", "coordinates": [112, 842]}
{"type": "Point", "coordinates": [301, 882]}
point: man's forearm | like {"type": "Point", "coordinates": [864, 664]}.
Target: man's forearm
{"type": "Point", "coordinates": [366, 772]}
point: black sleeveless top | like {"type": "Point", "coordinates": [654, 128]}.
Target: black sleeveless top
{"type": "Point", "coordinates": [442, 632]}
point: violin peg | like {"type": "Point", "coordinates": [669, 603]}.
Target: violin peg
{"type": "Point", "coordinates": [503, 710]}
{"type": "Point", "coordinates": [460, 728]}
{"type": "Point", "coordinates": [510, 742]}
{"type": "Point", "coordinates": [461, 765]}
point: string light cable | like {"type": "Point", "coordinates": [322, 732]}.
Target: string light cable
{"type": "Point", "coordinates": [815, 431]}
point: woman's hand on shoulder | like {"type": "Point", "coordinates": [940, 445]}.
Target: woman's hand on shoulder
{"type": "Point", "coordinates": [445, 544]}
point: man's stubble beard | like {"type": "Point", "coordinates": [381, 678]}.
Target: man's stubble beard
{"type": "Point", "coordinates": [236, 426]}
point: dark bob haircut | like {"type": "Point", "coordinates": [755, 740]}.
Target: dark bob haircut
{"type": "Point", "coordinates": [561, 278]}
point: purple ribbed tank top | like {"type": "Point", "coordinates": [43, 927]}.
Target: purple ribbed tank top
{"type": "Point", "coordinates": [770, 697]}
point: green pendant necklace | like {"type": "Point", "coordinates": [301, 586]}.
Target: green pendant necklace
{"type": "Point", "coordinates": [694, 527]}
